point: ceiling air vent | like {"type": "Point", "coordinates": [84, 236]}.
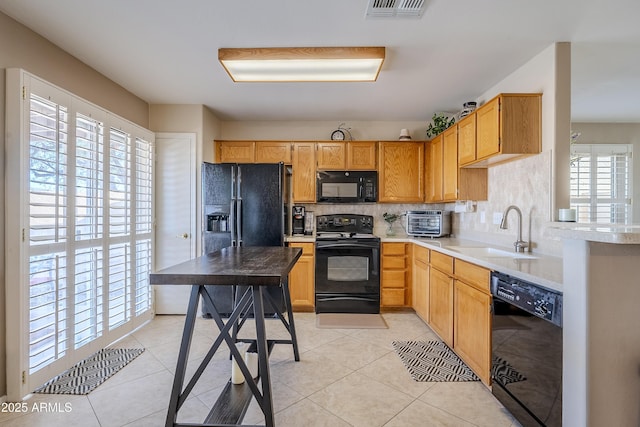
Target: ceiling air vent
{"type": "Point", "coordinates": [396, 8]}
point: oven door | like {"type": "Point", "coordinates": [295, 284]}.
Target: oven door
{"type": "Point", "coordinates": [347, 276]}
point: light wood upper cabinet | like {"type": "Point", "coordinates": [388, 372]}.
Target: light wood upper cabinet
{"type": "Point", "coordinates": [401, 171]}
{"type": "Point", "coordinates": [304, 172]}
{"type": "Point", "coordinates": [433, 168]}
{"type": "Point", "coordinates": [235, 151]}
{"type": "Point", "coordinates": [450, 164]}
{"type": "Point", "coordinates": [361, 155]}
{"type": "Point", "coordinates": [273, 152]}
{"type": "Point", "coordinates": [350, 155]}
{"type": "Point", "coordinates": [302, 279]}
{"type": "Point", "coordinates": [332, 155]}
{"type": "Point", "coordinates": [467, 140]}
{"type": "Point", "coordinates": [508, 126]}
{"type": "Point", "coordinates": [445, 180]}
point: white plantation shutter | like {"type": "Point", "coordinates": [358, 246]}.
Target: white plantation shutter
{"type": "Point", "coordinates": [601, 184]}
{"type": "Point", "coordinates": [143, 224]}
{"type": "Point", "coordinates": [118, 280]}
{"type": "Point", "coordinates": [89, 183]}
{"type": "Point", "coordinates": [47, 230]}
{"type": "Point", "coordinates": [89, 229]}
{"type": "Point", "coordinates": [119, 183]}
{"type": "Point", "coordinates": [88, 216]}
{"type": "Point", "coordinates": [47, 172]}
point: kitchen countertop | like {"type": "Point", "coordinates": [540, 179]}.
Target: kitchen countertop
{"type": "Point", "coordinates": [603, 233]}
{"type": "Point", "coordinates": [542, 270]}
{"type": "Point", "coordinates": [300, 239]}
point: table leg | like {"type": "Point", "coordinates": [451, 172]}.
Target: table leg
{"type": "Point", "coordinates": [183, 355]}
{"type": "Point", "coordinates": [263, 356]}
{"type": "Point", "coordinates": [292, 325]}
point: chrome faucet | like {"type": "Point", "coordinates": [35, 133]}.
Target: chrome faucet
{"type": "Point", "coordinates": [520, 245]}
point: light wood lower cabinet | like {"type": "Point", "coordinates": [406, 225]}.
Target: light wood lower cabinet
{"type": "Point", "coordinates": [441, 301]}
{"type": "Point", "coordinates": [302, 279]}
{"type": "Point", "coordinates": [394, 284]}
{"type": "Point", "coordinates": [472, 321]}
{"type": "Point", "coordinates": [459, 308]}
{"type": "Point", "coordinates": [472, 317]}
{"type": "Point", "coordinates": [420, 282]}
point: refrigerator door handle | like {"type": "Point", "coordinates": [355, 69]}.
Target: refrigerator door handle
{"type": "Point", "coordinates": [232, 216]}
{"type": "Point", "coordinates": [232, 222]}
{"type": "Point", "coordinates": [239, 222]}
{"type": "Point", "coordinates": [239, 206]}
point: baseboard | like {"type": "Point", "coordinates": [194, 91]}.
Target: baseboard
{"type": "Point", "coordinates": [396, 310]}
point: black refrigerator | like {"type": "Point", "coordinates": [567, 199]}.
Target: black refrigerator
{"type": "Point", "coordinates": [244, 205]}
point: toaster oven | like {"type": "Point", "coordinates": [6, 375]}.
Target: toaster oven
{"type": "Point", "coordinates": [433, 223]}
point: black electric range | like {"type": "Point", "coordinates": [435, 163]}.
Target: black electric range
{"type": "Point", "coordinates": [347, 264]}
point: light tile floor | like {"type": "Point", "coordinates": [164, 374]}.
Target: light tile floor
{"type": "Point", "coordinates": [346, 377]}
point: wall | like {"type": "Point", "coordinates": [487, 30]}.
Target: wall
{"type": "Point", "coordinates": [22, 48]}
{"type": "Point", "coordinates": [321, 130]}
{"type": "Point", "coordinates": [530, 183]}
{"type": "Point", "coordinates": [615, 133]}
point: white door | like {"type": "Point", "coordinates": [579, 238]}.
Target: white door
{"type": "Point", "coordinates": [175, 214]}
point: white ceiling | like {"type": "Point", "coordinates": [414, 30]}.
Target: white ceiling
{"type": "Point", "coordinates": [166, 52]}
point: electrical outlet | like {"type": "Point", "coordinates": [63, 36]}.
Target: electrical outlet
{"type": "Point", "coordinates": [497, 218]}
{"type": "Point", "coordinates": [483, 217]}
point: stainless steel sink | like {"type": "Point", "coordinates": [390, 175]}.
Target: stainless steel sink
{"type": "Point", "coordinates": [487, 252]}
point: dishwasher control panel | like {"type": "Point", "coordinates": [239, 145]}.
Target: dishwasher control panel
{"type": "Point", "coordinates": [532, 298]}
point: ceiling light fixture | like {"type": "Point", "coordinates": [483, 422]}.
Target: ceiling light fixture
{"type": "Point", "coordinates": [302, 64]}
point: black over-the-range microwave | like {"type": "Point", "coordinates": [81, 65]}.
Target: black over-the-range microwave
{"type": "Point", "coordinates": [347, 186]}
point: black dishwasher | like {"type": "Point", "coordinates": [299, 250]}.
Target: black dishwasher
{"type": "Point", "coordinates": [526, 369]}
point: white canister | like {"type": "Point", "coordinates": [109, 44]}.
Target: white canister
{"type": "Point", "coordinates": [251, 359]}
{"type": "Point", "coordinates": [236, 373]}
{"type": "Point", "coordinates": [567, 215]}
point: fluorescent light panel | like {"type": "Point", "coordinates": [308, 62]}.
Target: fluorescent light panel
{"type": "Point", "coordinates": [320, 64]}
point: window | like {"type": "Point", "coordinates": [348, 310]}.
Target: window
{"type": "Point", "coordinates": [83, 222]}
{"type": "Point", "coordinates": [601, 182]}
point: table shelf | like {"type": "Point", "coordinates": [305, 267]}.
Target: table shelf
{"type": "Point", "coordinates": [234, 400]}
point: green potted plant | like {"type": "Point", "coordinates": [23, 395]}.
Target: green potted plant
{"type": "Point", "coordinates": [439, 122]}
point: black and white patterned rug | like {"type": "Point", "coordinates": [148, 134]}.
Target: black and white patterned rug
{"type": "Point", "coordinates": [89, 373]}
{"type": "Point", "coordinates": [432, 361]}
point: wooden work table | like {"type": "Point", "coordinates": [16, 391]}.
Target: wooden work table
{"type": "Point", "coordinates": [255, 268]}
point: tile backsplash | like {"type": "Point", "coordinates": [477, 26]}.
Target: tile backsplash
{"type": "Point", "coordinates": [525, 183]}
